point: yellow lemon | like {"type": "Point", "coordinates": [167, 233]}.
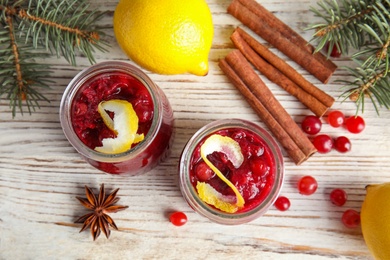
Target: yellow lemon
{"type": "Point", "coordinates": [124, 124]}
{"type": "Point", "coordinates": [165, 36]}
{"type": "Point", "coordinates": [375, 220]}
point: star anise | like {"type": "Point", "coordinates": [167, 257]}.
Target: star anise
{"type": "Point", "coordinates": [98, 219]}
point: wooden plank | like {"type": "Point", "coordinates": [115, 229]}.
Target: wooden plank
{"type": "Point", "coordinates": [41, 174]}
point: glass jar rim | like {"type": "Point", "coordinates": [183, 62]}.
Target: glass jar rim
{"type": "Point", "coordinates": [78, 81]}
{"type": "Point", "coordinates": [191, 195]}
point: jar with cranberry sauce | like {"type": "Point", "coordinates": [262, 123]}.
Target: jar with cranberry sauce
{"type": "Point", "coordinates": [246, 155]}
{"type": "Point", "coordinates": [131, 90]}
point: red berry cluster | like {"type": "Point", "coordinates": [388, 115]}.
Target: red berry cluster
{"type": "Point", "coordinates": [307, 185]}
{"type": "Point", "coordinates": [324, 143]}
{"type": "Point", "coordinates": [350, 217]}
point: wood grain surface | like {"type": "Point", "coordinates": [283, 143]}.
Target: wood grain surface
{"type": "Point", "coordinates": [41, 174]}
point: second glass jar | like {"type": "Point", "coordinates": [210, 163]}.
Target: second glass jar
{"type": "Point", "coordinates": [258, 178]}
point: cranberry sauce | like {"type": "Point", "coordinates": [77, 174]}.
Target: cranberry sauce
{"type": "Point", "coordinates": [254, 179]}
{"type": "Point", "coordinates": [85, 128]}
{"type": "Point", "coordinates": [86, 120]}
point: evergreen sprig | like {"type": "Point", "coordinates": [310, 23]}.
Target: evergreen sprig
{"type": "Point", "coordinates": [34, 29]}
{"type": "Point", "coordinates": [361, 25]}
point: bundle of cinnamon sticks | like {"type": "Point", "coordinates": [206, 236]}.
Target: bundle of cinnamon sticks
{"type": "Point", "coordinates": [281, 73]}
{"type": "Point", "coordinates": [271, 112]}
{"type": "Point", "coordinates": [280, 35]}
{"type": "Point", "coordinates": [237, 67]}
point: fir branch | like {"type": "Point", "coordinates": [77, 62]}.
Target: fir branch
{"type": "Point", "coordinates": [374, 85]}
{"type": "Point", "coordinates": [20, 76]}
{"type": "Point", "coordinates": [377, 52]}
{"type": "Point", "coordinates": [341, 23]}
{"type": "Point", "coordinates": [364, 26]}
{"type": "Point", "coordinates": [34, 29]}
{"type": "Point", "coordinates": [64, 28]}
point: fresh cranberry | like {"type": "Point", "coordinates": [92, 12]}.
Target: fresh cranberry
{"type": "Point", "coordinates": [342, 144]}
{"type": "Point", "coordinates": [335, 52]}
{"type": "Point", "coordinates": [351, 218]}
{"type": "Point", "coordinates": [203, 171]}
{"type": "Point", "coordinates": [178, 218]}
{"type": "Point", "coordinates": [259, 167]}
{"type": "Point", "coordinates": [323, 143]}
{"type": "Point", "coordinates": [282, 203]}
{"type": "Point", "coordinates": [307, 185]}
{"type": "Point", "coordinates": [355, 124]}
{"type": "Point", "coordinates": [336, 118]}
{"type": "Point", "coordinates": [338, 197]}
{"type": "Point", "coordinates": [311, 125]}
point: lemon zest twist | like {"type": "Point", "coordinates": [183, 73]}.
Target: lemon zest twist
{"type": "Point", "coordinates": [228, 146]}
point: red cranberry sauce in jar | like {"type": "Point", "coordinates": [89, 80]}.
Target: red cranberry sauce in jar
{"type": "Point", "coordinates": [254, 179]}
{"type": "Point", "coordinates": [86, 120]}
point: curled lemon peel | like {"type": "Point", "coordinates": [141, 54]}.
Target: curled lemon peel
{"type": "Point", "coordinates": [226, 145]}
{"type": "Point", "coordinates": [124, 125]}
{"type": "Point", "coordinates": [209, 195]}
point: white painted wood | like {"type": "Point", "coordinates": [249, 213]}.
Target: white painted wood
{"type": "Point", "coordinates": [40, 173]}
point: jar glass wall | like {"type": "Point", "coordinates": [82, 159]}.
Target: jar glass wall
{"type": "Point", "coordinates": [258, 179]}
{"type": "Point", "coordinates": [85, 129]}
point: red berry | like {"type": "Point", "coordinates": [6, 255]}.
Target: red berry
{"type": "Point", "coordinates": [336, 118]}
{"type": "Point", "coordinates": [203, 171]}
{"type": "Point", "coordinates": [259, 167]}
{"type": "Point", "coordinates": [282, 203]}
{"type": "Point", "coordinates": [335, 52]}
{"type": "Point", "coordinates": [178, 218]}
{"type": "Point", "coordinates": [351, 218]}
{"type": "Point", "coordinates": [307, 185]}
{"type": "Point", "coordinates": [323, 143]}
{"type": "Point", "coordinates": [342, 144]}
{"type": "Point", "coordinates": [311, 125]}
{"type": "Point", "coordinates": [355, 124]}
{"type": "Point", "coordinates": [338, 197]}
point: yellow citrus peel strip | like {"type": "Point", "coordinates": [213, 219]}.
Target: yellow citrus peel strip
{"type": "Point", "coordinates": [226, 145]}
{"type": "Point", "coordinates": [124, 125]}
{"type": "Point", "coordinates": [209, 195]}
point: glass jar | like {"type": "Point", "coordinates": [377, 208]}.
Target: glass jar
{"type": "Point", "coordinates": [259, 178]}
{"type": "Point", "coordinates": [85, 129]}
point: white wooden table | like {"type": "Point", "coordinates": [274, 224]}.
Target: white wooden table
{"type": "Point", "coordinates": [41, 174]}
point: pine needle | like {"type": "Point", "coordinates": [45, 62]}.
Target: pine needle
{"type": "Point", "coordinates": [34, 30]}
{"type": "Point", "coordinates": [362, 25]}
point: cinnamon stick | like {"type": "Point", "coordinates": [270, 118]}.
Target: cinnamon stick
{"type": "Point", "coordinates": [281, 135]}
{"type": "Point", "coordinates": [281, 27]}
{"type": "Point", "coordinates": [286, 69]}
{"type": "Point", "coordinates": [256, 86]}
{"type": "Point", "coordinates": [275, 75]}
{"type": "Point", "coordinates": [248, 11]}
